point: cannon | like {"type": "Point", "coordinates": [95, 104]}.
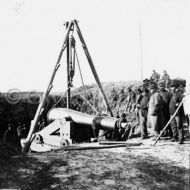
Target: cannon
{"type": "Point", "coordinates": [68, 126]}
{"type": "Point", "coordinates": [99, 121]}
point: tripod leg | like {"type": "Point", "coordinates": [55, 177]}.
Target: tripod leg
{"type": "Point", "coordinates": [26, 142]}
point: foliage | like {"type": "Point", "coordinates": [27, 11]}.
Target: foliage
{"type": "Point", "coordinates": [21, 107]}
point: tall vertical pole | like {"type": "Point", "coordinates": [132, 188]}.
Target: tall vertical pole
{"type": "Point", "coordinates": [141, 53]}
{"type": "Point", "coordinates": [68, 71]}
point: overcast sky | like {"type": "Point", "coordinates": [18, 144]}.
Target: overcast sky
{"type": "Point", "coordinates": [32, 33]}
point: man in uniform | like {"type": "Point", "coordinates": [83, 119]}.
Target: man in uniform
{"type": "Point", "coordinates": [123, 118]}
{"type": "Point", "coordinates": [131, 99]}
{"type": "Point", "coordinates": [143, 111]}
{"type": "Point", "coordinates": [165, 107]}
{"type": "Point", "coordinates": [176, 123]}
{"type": "Point", "coordinates": [166, 78]}
{"type": "Point", "coordinates": [120, 131]}
{"type": "Point", "coordinates": [155, 120]}
{"type": "Point", "coordinates": [137, 105]}
{"type": "Point", "coordinates": [155, 76]}
{"type": "Point", "coordinates": [115, 97]}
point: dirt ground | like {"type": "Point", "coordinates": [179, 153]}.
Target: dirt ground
{"type": "Point", "coordinates": [165, 166]}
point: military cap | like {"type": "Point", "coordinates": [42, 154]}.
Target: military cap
{"type": "Point", "coordinates": [146, 80]}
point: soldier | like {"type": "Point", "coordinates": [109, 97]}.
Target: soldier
{"type": "Point", "coordinates": [139, 95]}
{"type": "Point", "coordinates": [155, 120]}
{"type": "Point", "coordinates": [131, 98]}
{"type": "Point", "coordinates": [124, 131]}
{"type": "Point", "coordinates": [146, 82]}
{"type": "Point", "coordinates": [165, 107]}
{"type": "Point", "coordinates": [155, 76]}
{"type": "Point", "coordinates": [137, 105]}
{"type": "Point", "coordinates": [115, 97]}
{"type": "Point", "coordinates": [123, 118]}
{"type": "Point", "coordinates": [11, 138]}
{"type": "Point", "coordinates": [166, 78]}
{"type": "Point", "coordinates": [176, 123]}
{"type": "Point", "coordinates": [121, 130]}
{"type": "Point", "coordinates": [143, 111]}
{"type": "Point", "coordinates": [122, 95]}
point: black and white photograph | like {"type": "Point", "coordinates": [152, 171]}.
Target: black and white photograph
{"type": "Point", "coordinates": [94, 94]}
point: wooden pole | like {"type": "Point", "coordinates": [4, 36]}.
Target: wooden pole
{"type": "Point", "coordinates": [141, 53]}
{"type": "Point", "coordinates": [173, 116]}
{"type": "Point", "coordinates": [68, 70]}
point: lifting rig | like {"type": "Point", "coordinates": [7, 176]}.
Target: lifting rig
{"type": "Point", "coordinates": [63, 119]}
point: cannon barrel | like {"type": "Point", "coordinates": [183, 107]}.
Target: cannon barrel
{"type": "Point", "coordinates": [102, 122]}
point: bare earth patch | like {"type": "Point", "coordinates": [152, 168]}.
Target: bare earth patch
{"type": "Point", "coordinates": [165, 166]}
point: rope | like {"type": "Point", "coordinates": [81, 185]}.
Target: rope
{"type": "Point", "coordinates": [63, 94]}
{"type": "Point", "coordinates": [80, 72]}
{"type": "Point", "coordinates": [94, 109]}
{"type": "Point", "coordinates": [84, 97]}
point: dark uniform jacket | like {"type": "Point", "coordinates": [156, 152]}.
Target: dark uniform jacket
{"type": "Point", "coordinates": [155, 77]}
{"type": "Point", "coordinates": [144, 105]}
{"type": "Point", "coordinates": [155, 114]}
{"type": "Point", "coordinates": [166, 101]}
{"type": "Point", "coordinates": [139, 98]}
{"type": "Point", "coordinates": [174, 102]}
{"type": "Point", "coordinates": [165, 77]}
{"type": "Point", "coordinates": [155, 104]}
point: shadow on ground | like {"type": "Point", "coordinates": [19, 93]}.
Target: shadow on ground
{"type": "Point", "coordinates": [97, 169]}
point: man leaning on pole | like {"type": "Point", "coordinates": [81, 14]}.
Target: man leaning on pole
{"type": "Point", "coordinates": [177, 121]}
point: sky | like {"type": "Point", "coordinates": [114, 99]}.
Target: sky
{"type": "Point", "coordinates": [122, 36]}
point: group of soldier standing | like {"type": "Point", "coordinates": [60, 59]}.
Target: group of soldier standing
{"type": "Point", "coordinates": [156, 101]}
